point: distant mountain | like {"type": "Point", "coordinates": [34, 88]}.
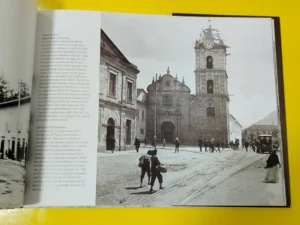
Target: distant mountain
{"type": "Point", "coordinates": [271, 119]}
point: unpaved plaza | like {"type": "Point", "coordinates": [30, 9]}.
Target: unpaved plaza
{"type": "Point", "coordinates": [190, 176]}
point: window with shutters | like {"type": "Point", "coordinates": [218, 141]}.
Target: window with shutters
{"type": "Point", "coordinates": [112, 84]}
{"type": "Point", "coordinates": [129, 91]}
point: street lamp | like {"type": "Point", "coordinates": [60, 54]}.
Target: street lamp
{"type": "Point", "coordinates": [177, 124]}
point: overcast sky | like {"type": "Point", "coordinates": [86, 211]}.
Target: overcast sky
{"type": "Point", "coordinates": [154, 42]}
{"type": "Point", "coordinates": [17, 23]}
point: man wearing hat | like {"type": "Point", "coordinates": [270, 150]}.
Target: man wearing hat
{"type": "Point", "coordinates": [155, 173]}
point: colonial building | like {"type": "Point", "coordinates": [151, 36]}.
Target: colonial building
{"type": "Point", "coordinates": [267, 125]}
{"type": "Point", "coordinates": [14, 127]}
{"type": "Point", "coordinates": [235, 129]}
{"type": "Point", "coordinates": [141, 112]}
{"type": "Point", "coordinates": [255, 130]}
{"type": "Point", "coordinates": [117, 97]}
{"type": "Point", "coordinates": [173, 112]}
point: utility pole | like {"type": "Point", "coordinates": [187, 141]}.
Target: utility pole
{"type": "Point", "coordinates": [279, 137]}
{"type": "Point", "coordinates": [18, 123]}
{"type": "Point", "coordinates": [155, 112]}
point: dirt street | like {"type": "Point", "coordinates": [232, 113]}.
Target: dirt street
{"type": "Point", "coordinates": [11, 184]}
{"type": "Point", "coordinates": [246, 187]}
{"type": "Point", "coordinates": [189, 170]}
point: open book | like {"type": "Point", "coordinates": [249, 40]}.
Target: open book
{"type": "Point", "coordinates": [123, 110]}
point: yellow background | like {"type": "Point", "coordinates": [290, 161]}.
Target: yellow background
{"type": "Point", "coordinates": [289, 14]}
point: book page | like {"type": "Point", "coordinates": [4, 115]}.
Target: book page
{"type": "Point", "coordinates": [17, 38]}
{"type": "Point", "coordinates": [63, 139]}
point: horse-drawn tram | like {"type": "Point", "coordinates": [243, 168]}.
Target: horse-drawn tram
{"type": "Point", "coordinates": [265, 144]}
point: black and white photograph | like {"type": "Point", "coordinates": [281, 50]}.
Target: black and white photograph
{"type": "Point", "coordinates": [190, 113]}
{"type": "Point", "coordinates": [16, 49]}
{"type": "Point", "coordinates": [14, 131]}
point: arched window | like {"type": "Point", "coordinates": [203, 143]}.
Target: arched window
{"type": "Point", "coordinates": [210, 87]}
{"type": "Point", "coordinates": [111, 122]}
{"type": "Point", "coordinates": [210, 112]}
{"type": "Point", "coordinates": [209, 62]}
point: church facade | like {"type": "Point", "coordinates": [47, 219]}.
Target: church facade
{"type": "Point", "coordinates": [172, 111]}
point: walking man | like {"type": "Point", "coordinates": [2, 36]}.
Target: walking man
{"type": "Point", "coordinates": [177, 144]}
{"type": "Point", "coordinates": [212, 145]}
{"type": "Point", "coordinates": [145, 168]}
{"type": "Point", "coordinates": [200, 143]}
{"type": "Point", "coordinates": [164, 143]}
{"type": "Point", "coordinates": [246, 145]}
{"type": "Point", "coordinates": [218, 145]}
{"type": "Point", "coordinates": [205, 144]}
{"type": "Point", "coordinates": [237, 143]}
{"type": "Point", "coordinates": [155, 173]}
{"type": "Point", "coordinates": [154, 142]}
{"type": "Point", "coordinates": [137, 144]}
{"type": "Point", "coordinates": [110, 143]}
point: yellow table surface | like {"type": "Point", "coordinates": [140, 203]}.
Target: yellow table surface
{"type": "Point", "coordinates": [290, 20]}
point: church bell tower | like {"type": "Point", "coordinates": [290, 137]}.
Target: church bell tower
{"type": "Point", "coordinates": [211, 81]}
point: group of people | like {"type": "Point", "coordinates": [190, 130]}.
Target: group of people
{"type": "Point", "coordinates": [10, 154]}
{"type": "Point", "coordinates": [150, 163]}
{"type": "Point", "coordinates": [257, 144]}
{"type": "Point", "coordinates": [234, 144]}
{"type": "Point", "coordinates": [211, 145]}
{"type": "Point", "coordinates": [176, 143]}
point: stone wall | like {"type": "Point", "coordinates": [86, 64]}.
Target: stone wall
{"type": "Point", "coordinates": [209, 127]}
{"type": "Point", "coordinates": [218, 55]}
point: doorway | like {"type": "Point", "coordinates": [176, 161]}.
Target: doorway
{"type": "Point", "coordinates": [110, 133]}
{"type": "Point", "coordinates": [128, 132]}
{"type": "Point", "coordinates": [2, 149]}
{"type": "Point", "coordinates": [13, 146]}
{"type": "Point", "coordinates": [22, 152]}
{"type": "Point", "coordinates": [110, 129]}
{"type": "Point", "coordinates": [168, 131]}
